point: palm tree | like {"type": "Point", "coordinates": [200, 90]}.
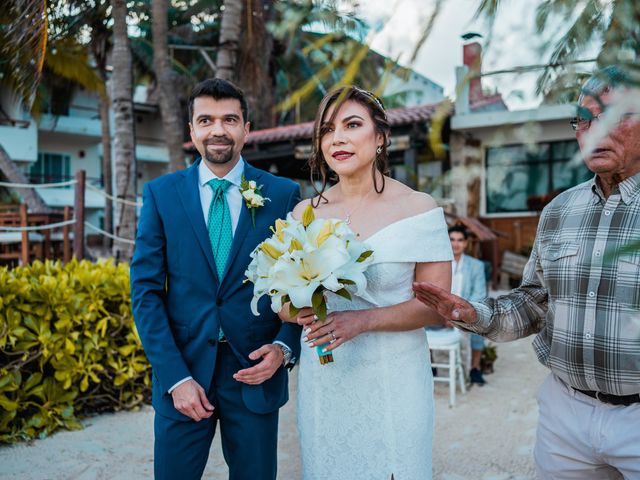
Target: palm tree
{"type": "Point", "coordinates": [613, 23]}
{"type": "Point", "coordinates": [122, 104]}
{"type": "Point", "coordinates": [230, 39]}
{"type": "Point", "coordinates": [23, 39]}
{"type": "Point", "coordinates": [14, 175]}
{"type": "Point", "coordinates": [23, 45]}
{"type": "Point", "coordinates": [39, 46]}
{"type": "Point", "coordinates": [257, 71]}
{"type": "Point", "coordinates": [170, 109]}
{"type": "Point", "coordinates": [100, 44]}
{"type": "Point", "coordinates": [289, 53]}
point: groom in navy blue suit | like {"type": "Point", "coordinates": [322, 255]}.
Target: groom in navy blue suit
{"type": "Point", "coordinates": [212, 359]}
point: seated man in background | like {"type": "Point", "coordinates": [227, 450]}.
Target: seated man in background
{"type": "Point", "coordinates": [468, 281]}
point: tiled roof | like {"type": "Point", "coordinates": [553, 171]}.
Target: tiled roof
{"type": "Point", "coordinates": [280, 134]}
{"type": "Point", "coordinates": [494, 100]}
{"type": "Point", "coordinates": [397, 117]}
{"type": "Point", "coordinates": [473, 225]}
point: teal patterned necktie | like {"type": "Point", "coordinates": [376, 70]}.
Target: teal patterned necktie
{"type": "Point", "coordinates": [219, 224]}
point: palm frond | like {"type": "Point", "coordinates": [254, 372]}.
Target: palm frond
{"type": "Point", "coordinates": [548, 7]}
{"type": "Point", "coordinates": [487, 9]}
{"type": "Point", "coordinates": [23, 45]}
{"type": "Point", "coordinates": [574, 41]}
{"type": "Point", "coordinates": [70, 60]}
{"type": "Point", "coordinates": [305, 90]}
{"type": "Point", "coordinates": [354, 66]}
{"type": "Point", "coordinates": [621, 37]}
{"type": "Point", "coordinates": [438, 120]}
{"type": "Point", "coordinates": [427, 30]}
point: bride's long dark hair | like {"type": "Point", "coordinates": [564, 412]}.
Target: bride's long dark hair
{"type": "Point", "coordinates": [317, 163]}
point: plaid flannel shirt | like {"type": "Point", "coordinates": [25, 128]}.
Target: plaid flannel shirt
{"type": "Point", "coordinates": [580, 290]}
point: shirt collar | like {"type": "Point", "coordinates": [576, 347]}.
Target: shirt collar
{"type": "Point", "coordinates": [234, 176]}
{"type": "Point", "coordinates": [629, 188]}
{"type": "Point", "coordinates": [598, 195]}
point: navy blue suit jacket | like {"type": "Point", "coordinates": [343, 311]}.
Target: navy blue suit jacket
{"type": "Point", "coordinates": [179, 303]}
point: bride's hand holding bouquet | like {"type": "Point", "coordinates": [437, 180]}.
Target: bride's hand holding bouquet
{"type": "Point", "coordinates": [303, 260]}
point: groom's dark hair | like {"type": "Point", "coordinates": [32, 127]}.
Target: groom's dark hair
{"type": "Point", "coordinates": [218, 89]}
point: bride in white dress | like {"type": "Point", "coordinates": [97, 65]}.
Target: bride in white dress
{"type": "Point", "coordinates": [369, 414]}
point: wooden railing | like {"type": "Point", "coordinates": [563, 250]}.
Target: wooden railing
{"type": "Point", "coordinates": [26, 236]}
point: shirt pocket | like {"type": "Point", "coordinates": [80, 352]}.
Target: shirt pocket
{"type": "Point", "coordinates": [559, 268]}
{"type": "Point", "coordinates": [628, 280]}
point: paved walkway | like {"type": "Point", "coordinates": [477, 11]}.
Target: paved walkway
{"type": "Point", "coordinates": [488, 435]}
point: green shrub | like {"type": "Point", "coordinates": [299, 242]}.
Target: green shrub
{"type": "Point", "coordinates": [68, 346]}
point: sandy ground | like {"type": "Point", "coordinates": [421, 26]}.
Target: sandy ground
{"type": "Point", "coordinates": [489, 434]}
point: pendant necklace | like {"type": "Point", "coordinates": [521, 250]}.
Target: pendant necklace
{"type": "Point", "coordinates": [348, 215]}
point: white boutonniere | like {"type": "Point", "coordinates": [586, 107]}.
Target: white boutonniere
{"type": "Point", "coordinates": [253, 198]}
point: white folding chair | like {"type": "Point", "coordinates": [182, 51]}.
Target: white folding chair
{"type": "Point", "coordinates": [448, 340]}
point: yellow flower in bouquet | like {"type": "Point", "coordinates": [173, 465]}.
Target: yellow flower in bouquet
{"type": "Point", "coordinates": [305, 258]}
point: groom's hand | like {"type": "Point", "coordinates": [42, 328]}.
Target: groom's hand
{"type": "Point", "coordinates": [272, 358]}
{"type": "Point", "coordinates": [448, 305]}
{"type": "Point", "coordinates": [190, 399]}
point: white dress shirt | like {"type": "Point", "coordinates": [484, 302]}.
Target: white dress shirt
{"type": "Point", "coordinates": [457, 279]}
{"type": "Point", "coordinates": [234, 200]}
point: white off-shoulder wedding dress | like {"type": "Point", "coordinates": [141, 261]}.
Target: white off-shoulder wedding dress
{"type": "Point", "coordinates": [369, 414]}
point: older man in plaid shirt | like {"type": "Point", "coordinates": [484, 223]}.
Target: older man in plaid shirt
{"type": "Point", "coordinates": [580, 294]}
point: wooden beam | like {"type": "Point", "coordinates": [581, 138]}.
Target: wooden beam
{"type": "Point", "coordinates": [66, 244]}
{"type": "Point", "coordinates": [24, 256]}
{"type": "Point", "coordinates": [78, 208]}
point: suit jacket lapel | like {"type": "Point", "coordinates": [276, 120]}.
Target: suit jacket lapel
{"type": "Point", "coordinates": [189, 195]}
{"type": "Point", "coordinates": [244, 222]}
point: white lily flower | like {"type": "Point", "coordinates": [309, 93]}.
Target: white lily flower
{"type": "Point", "coordinates": [298, 262]}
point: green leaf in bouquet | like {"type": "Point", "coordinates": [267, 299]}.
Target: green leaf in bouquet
{"type": "Point", "coordinates": [319, 304]}
{"type": "Point", "coordinates": [321, 311]}
{"type": "Point", "coordinates": [344, 293]}
{"type": "Point", "coordinates": [346, 281]}
{"type": "Point", "coordinates": [293, 310]}
{"type": "Point", "coordinates": [364, 255]}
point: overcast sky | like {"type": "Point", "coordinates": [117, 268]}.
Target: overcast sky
{"type": "Point", "coordinates": [513, 43]}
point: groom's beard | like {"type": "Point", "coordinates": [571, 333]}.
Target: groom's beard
{"type": "Point", "coordinates": [219, 158]}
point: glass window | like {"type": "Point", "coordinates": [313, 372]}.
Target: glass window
{"type": "Point", "coordinates": [50, 167]}
{"type": "Point", "coordinates": [518, 176]}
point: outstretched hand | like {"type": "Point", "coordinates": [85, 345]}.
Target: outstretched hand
{"type": "Point", "coordinates": [448, 305]}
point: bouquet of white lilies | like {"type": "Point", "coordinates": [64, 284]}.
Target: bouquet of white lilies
{"type": "Point", "coordinates": [305, 258]}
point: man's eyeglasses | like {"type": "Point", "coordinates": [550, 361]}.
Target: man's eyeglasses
{"type": "Point", "coordinates": [580, 124]}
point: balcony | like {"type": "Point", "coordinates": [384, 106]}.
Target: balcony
{"type": "Point", "coordinates": [71, 125]}
{"type": "Point", "coordinates": [20, 140]}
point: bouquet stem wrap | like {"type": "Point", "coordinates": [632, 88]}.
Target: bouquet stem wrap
{"type": "Point", "coordinates": [325, 357]}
